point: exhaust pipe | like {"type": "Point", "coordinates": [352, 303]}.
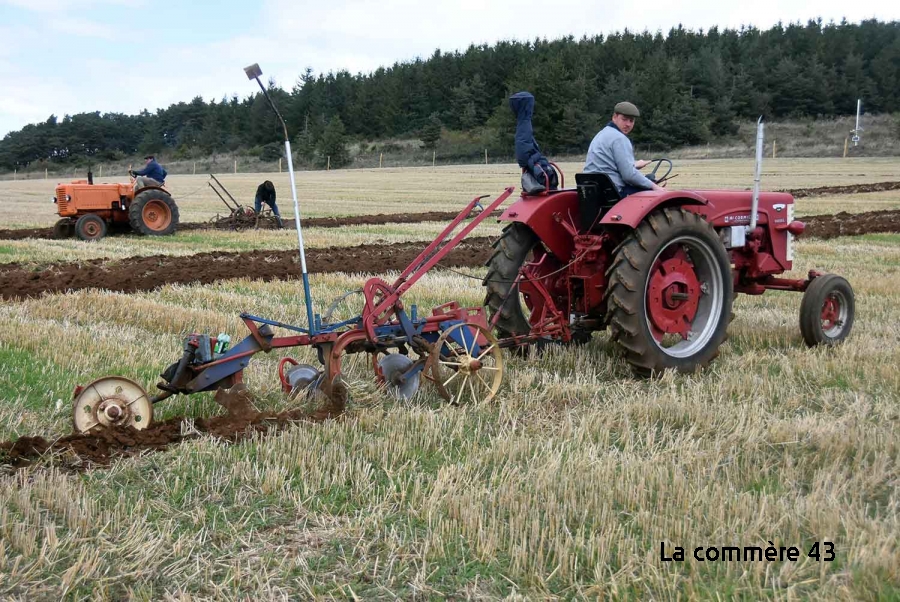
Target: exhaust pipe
{"type": "Point", "coordinates": [759, 157]}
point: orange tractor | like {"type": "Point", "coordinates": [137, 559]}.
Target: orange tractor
{"type": "Point", "coordinates": [89, 210]}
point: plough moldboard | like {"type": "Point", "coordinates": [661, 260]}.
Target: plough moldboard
{"type": "Point", "coordinates": [451, 346]}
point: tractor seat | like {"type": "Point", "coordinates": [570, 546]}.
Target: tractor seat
{"type": "Point", "coordinates": [596, 195]}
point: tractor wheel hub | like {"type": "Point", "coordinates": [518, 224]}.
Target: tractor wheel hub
{"type": "Point", "coordinates": [673, 295]}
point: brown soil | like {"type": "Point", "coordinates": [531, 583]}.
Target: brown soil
{"type": "Point", "coordinates": [147, 273]}
{"type": "Point", "coordinates": [246, 223]}
{"type": "Point", "coordinates": [851, 224]}
{"type": "Point", "coordinates": [799, 193]}
{"type": "Point", "coordinates": [81, 451]}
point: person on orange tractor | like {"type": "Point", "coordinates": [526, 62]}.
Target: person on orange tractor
{"type": "Point", "coordinates": [153, 173]}
{"type": "Point", "coordinates": [611, 153]}
{"type": "Point", "coordinates": [265, 193]}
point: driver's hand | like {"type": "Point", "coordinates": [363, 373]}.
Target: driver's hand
{"type": "Point", "coordinates": [641, 164]}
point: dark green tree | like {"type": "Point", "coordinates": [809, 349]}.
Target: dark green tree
{"type": "Point", "coordinates": [431, 132]}
{"type": "Point", "coordinates": [334, 145]}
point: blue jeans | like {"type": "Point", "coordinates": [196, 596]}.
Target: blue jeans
{"type": "Point", "coordinates": [257, 205]}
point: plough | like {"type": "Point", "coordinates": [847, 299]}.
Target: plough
{"type": "Point", "coordinates": [451, 346]}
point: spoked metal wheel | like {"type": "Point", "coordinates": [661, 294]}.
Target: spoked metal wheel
{"type": "Point", "coordinates": [112, 402]}
{"type": "Point", "coordinates": [668, 303]}
{"type": "Point", "coordinates": [466, 363]}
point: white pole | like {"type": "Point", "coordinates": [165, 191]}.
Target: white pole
{"type": "Point", "coordinates": [759, 157]}
{"type": "Point", "coordinates": [306, 291]}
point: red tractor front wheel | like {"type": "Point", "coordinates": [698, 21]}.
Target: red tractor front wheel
{"type": "Point", "coordinates": [827, 311]}
{"type": "Point", "coordinates": [668, 303]}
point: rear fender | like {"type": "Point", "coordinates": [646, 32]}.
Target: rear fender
{"type": "Point", "coordinates": [545, 215]}
{"type": "Point", "coordinates": [632, 210]}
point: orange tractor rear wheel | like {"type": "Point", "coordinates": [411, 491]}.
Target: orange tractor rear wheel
{"type": "Point", "coordinates": [153, 212]}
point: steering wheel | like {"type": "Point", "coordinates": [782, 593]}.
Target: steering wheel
{"type": "Point", "coordinates": [659, 162]}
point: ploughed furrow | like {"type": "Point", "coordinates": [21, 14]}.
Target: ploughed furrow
{"type": "Point", "coordinates": [309, 222]}
{"type": "Point", "coordinates": [134, 274]}
{"type": "Point", "coordinates": [81, 451]}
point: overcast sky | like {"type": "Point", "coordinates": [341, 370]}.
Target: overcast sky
{"type": "Point", "coordinates": [70, 56]}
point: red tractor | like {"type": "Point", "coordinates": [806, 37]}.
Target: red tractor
{"type": "Point", "coordinates": [659, 269]}
{"type": "Point", "coordinates": [88, 210]}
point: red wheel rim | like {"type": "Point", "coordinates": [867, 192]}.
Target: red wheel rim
{"type": "Point", "coordinates": [156, 215]}
{"type": "Point", "coordinates": [831, 311]}
{"type": "Point", "coordinates": [673, 295]}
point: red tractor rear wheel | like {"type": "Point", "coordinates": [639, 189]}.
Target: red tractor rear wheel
{"type": "Point", "coordinates": [668, 303]}
{"type": "Point", "coordinates": [511, 251]}
{"type": "Point", "coordinates": [153, 212]}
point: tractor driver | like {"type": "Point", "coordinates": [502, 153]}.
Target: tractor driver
{"type": "Point", "coordinates": [265, 193]}
{"type": "Point", "coordinates": [611, 153]}
{"type": "Point", "coordinates": [152, 171]}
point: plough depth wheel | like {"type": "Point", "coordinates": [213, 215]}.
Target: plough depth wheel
{"type": "Point", "coordinates": [112, 402]}
{"type": "Point", "coordinates": [462, 368]}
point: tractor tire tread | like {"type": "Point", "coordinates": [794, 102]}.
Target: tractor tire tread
{"type": "Point", "coordinates": [513, 246]}
{"type": "Point", "coordinates": [135, 212]}
{"type": "Point", "coordinates": [624, 295]}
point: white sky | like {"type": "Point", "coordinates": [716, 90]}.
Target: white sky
{"type": "Point", "coordinates": [69, 56]}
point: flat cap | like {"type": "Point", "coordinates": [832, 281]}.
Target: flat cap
{"type": "Point", "coordinates": [626, 108]}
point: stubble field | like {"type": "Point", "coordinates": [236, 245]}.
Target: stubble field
{"type": "Point", "coordinates": [564, 485]}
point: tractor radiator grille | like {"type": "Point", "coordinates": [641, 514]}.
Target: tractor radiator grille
{"type": "Point", "coordinates": [61, 203]}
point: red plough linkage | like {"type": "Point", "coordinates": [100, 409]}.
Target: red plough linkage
{"type": "Point", "coordinates": [659, 269]}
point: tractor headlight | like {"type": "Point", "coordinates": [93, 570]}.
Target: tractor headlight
{"type": "Point", "coordinates": [68, 198]}
{"type": "Point", "coordinates": [54, 199]}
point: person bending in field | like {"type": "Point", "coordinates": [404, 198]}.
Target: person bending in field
{"type": "Point", "coordinates": [265, 193]}
{"type": "Point", "coordinates": [611, 153]}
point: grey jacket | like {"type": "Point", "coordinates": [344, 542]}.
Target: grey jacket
{"type": "Point", "coordinates": [611, 153]}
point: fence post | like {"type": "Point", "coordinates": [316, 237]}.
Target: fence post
{"type": "Point", "coordinates": [235, 166]}
{"type": "Point", "coordinates": [485, 157]}
{"type": "Point", "coordinates": [45, 173]}
{"type": "Point", "coordinates": [846, 141]}
{"type": "Point", "coordinates": [328, 167]}
{"type": "Point", "coordinates": [432, 157]}
{"type": "Point", "coordinates": [195, 168]}
{"type": "Point", "coordinates": [279, 165]}
{"type": "Point", "coordinates": [773, 148]}
{"type": "Point", "coordinates": [380, 159]}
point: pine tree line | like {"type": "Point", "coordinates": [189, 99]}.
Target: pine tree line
{"type": "Point", "coordinates": [690, 86]}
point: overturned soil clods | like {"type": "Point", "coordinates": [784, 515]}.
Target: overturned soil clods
{"type": "Point", "coordinates": [136, 274]}
{"type": "Point", "coordinates": [799, 193]}
{"type": "Point", "coordinates": [82, 451]}
{"type": "Point", "coordinates": [851, 224]}
{"type": "Point", "coordinates": [244, 222]}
